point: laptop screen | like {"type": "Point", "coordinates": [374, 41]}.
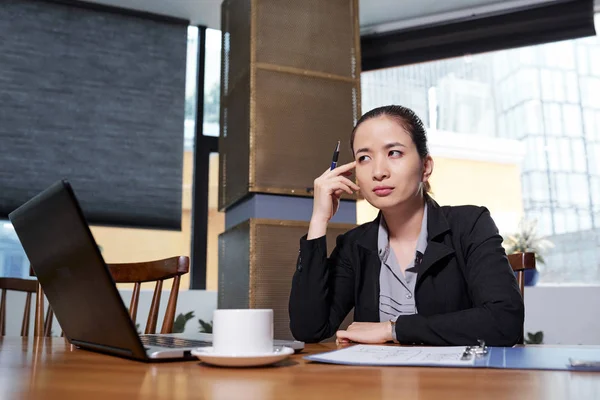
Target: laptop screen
{"type": "Point", "coordinates": [72, 272]}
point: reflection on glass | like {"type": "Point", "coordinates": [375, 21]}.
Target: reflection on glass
{"type": "Point", "coordinates": [191, 85]}
{"type": "Point", "coordinates": [212, 82]}
{"type": "Point", "coordinates": [13, 261]}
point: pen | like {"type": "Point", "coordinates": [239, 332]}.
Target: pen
{"type": "Point", "coordinates": [336, 153]}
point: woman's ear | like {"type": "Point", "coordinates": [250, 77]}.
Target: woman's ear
{"type": "Point", "coordinates": [427, 168]}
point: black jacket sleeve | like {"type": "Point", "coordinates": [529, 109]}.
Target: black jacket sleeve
{"type": "Point", "coordinates": [497, 314]}
{"type": "Point", "coordinates": [322, 290]}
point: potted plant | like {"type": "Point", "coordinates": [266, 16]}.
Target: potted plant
{"type": "Point", "coordinates": [527, 240]}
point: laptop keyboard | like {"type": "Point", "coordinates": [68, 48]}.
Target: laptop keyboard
{"type": "Point", "coordinates": [172, 342]}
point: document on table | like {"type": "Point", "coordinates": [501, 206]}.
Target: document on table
{"type": "Point", "coordinates": [396, 355]}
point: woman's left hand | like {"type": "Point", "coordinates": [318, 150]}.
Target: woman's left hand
{"type": "Point", "coordinates": [366, 332]}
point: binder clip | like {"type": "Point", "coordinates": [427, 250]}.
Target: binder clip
{"type": "Point", "coordinates": [475, 351]}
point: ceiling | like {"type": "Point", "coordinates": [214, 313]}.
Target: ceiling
{"type": "Point", "coordinates": [377, 12]}
{"type": "Point", "coordinates": [374, 14]}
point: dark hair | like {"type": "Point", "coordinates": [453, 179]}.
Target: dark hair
{"type": "Point", "coordinates": [407, 120]}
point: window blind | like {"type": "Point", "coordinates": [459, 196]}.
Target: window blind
{"type": "Point", "coordinates": [96, 96]}
{"type": "Point", "coordinates": [524, 26]}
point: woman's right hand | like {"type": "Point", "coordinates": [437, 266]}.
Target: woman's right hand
{"type": "Point", "coordinates": [326, 197]}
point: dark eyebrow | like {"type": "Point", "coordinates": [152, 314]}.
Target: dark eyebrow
{"type": "Point", "coordinates": [394, 144]}
{"type": "Point", "coordinates": [387, 146]}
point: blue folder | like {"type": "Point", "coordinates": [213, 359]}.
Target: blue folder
{"type": "Point", "coordinates": [532, 357]}
{"type": "Point", "coordinates": [541, 358]}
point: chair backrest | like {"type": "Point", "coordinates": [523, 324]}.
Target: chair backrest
{"type": "Point", "coordinates": [28, 286]}
{"type": "Point", "coordinates": [519, 263]}
{"type": "Point", "coordinates": [150, 271]}
{"type": "Point", "coordinates": [43, 327]}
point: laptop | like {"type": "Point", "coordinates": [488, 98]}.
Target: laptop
{"type": "Point", "coordinates": [79, 287]}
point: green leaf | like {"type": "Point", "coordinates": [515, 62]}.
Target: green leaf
{"type": "Point", "coordinates": [205, 327]}
{"type": "Point", "coordinates": [535, 338]}
{"type": "Point", "coordinates": [181, 320]}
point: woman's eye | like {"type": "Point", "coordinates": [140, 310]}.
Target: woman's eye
{"type": "Point", "coordinates": [363, 158]}
{"type": "Point", "coordinates": [395, 153]}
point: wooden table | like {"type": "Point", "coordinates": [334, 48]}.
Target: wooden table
{"type": "Point", "coordinates": [52, 369]}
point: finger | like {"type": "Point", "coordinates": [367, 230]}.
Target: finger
{"type": "Point", "coordinates": [341, 335]}
{"type": "Point", "coordinates": [345, 336]}
{"type": "Point", "coordinates": [349, 183]}
{"type": "Point", "coordinates": [326, 172]}
{"type": "Point", "coordinates": [340, 344]}
{"type": "Point", "coordinates": [331, 186]}
{"type": "Point", "coordinates": [348, 173]}
{"type": "Point", "coordinates": [344, 168]}
{"type": "Point", "coordinates": [339, 186]}
{"type": "Point", "coordinates": [338, 193]}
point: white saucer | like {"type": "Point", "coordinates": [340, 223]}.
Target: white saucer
{"type": "Point", "coordinates": [207, 355]}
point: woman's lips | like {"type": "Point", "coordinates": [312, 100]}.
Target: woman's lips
{"type": "Point", "coordinates": [383, 191]}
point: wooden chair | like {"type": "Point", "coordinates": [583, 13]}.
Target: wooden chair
{"type": "Point", "coordinates": [150, 271]}
{"type": "Point", "coordinates": [28, 286]}
{"type": "Point", "coordinates": [43, 327]}
{"type": "Point", "coordinates": [519, 263]}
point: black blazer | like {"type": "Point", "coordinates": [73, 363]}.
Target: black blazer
{"type": "Point", "coordinates": [465, 287]}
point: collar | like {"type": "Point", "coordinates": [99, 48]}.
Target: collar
{"type": "Point", "coordinates": [437, 225]}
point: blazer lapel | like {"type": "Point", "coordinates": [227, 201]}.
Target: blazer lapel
{"type": "Point", "coordinates": [437, 227]}
{"type": "Point", "coordinates": [433, 253]}
{"type": "Point", "coordinates": [368, 274]}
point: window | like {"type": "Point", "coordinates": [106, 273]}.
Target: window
{"type": "Point", "coordinates": [547, 98]}
{"type": "Point", "coordinates": [208, 222]}
{"type": "Point", "coordinates": [216, 224]}
{"type": "Point", "coordinates": [13, 261]}
{"type": "Point", "coordinates": [13, 265]}
{"type": "Point", "coordinates": [212, 91]}
{"type": "Point", "coordinates": [212, 83]}
{"type": "Point", "coordinates": [191, 87]}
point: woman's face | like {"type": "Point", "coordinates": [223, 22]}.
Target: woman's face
{"type": "Point", "coordinates": [389, 169]}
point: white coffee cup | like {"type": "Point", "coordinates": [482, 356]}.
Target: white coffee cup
{"type": "Point", "coordinates": [243, 332]}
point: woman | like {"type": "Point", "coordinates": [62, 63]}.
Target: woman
{"type": "Point", "coordinates": [419, 273]}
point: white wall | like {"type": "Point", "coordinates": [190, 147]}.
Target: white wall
{"type": "Point", "coordinates": [567, 315]}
